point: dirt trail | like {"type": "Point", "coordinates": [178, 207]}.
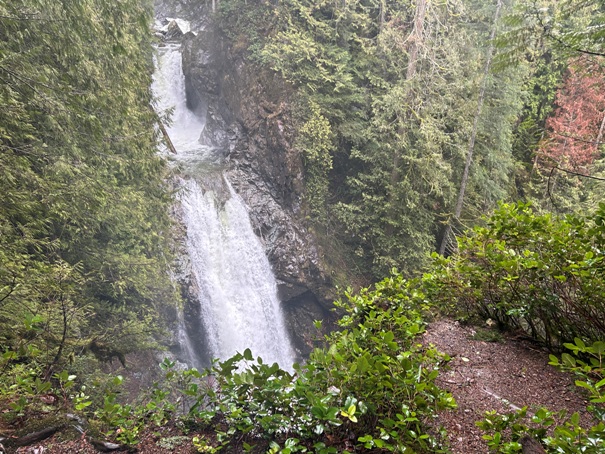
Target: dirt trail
{"type": "Point", "coordinates": [500, 376]}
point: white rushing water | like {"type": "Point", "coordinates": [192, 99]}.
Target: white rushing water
{"type": "Point", "coordinates": [239, 307]}
{"type": "Point", "coordinates": [237, 289]}
{"type": "Point", "coordinates": [185, 128]}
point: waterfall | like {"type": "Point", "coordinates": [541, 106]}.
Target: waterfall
{"type": "Point", "coordinates": [236, 288]}
{"type": "Point", "coordinates": [240, 307]}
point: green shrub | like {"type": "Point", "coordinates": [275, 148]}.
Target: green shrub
{"type": "Point", "coordinates": [537, 273]}
{"type": "Point", "coordinates": [371, 388]}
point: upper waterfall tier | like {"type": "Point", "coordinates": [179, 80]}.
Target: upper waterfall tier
{"type": "Point", "coordinates": [185, 126]}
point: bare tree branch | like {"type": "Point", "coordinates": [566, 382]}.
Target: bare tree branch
{"type": "Point", "coordinates": [547, 30]}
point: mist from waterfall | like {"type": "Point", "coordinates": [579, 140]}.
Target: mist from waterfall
{"type": "Point", "coordinates": [235, 284]}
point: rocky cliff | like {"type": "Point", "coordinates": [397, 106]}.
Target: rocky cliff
{"type": "Point", "coordinates": [247, 114]}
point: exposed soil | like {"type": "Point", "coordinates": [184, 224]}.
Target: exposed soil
{"type": "Point", "coordinates": [503, 376]}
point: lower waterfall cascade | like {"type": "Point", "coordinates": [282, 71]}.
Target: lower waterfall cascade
{"type": "Point", "coordinates": [235, 285]}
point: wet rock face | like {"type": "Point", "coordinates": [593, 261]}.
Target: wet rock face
{"type": "Point", "coordinates": [247, 118]}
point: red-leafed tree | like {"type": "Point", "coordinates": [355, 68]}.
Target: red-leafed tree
{"type": "Point", "coordinates": [576, 128]}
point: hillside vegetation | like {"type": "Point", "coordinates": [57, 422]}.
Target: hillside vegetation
{"type": "Point", "coordinates": [372, 387]}
{"type": "Point", "coordinates": [416, 118]}
{"type": "Point", "coordinates": [84, 213]}
{"type": "Point", "coordinates": [415, 121]}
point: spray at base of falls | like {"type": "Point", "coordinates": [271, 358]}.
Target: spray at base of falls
{"type": "Point", "coordinates": [236, 288]}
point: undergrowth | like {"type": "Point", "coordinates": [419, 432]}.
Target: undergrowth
{"type": "Point", "coordinates": [504, 433]}
{"type": "Point", "coordinates": [529, 272]}
{"type": "Point", "coordinates": [372, 388]}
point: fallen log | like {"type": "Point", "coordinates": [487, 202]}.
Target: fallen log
{"type": "Point", "coordinates": [167, 140]}
{"type": "Point", "coordinates": [34, 437]}
{"type": "Point", "coordinates": [104, 446]}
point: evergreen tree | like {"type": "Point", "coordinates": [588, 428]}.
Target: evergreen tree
{"type": "Point", "coordinates": [576, 126]}
{"type": "Point", "coordinates": [395, 85]}
{"type": "Point", "coordinates": [84, 214]}
{"type": "Point", "coordinates": [549, 35]}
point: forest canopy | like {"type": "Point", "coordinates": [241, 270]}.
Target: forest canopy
{"type": "Point", "coordinates": [418, 117]}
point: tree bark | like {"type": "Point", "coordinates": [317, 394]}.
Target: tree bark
{"type": "Point", "coordinates": [416, 39]}
{"type": "Point", "coordinates": [36, 436]}
{"type": "Point", "coordinates": [600, 135]}
{"type": "Point", "coordinates": [167, 140]}
{"type": "Point", "coordinates": [471, 145]}
{"type": "Point", "coordinates": [383, 7]}
{"type": "Point", "coordinates": [51, 366]}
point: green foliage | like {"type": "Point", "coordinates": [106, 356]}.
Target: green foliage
{"type": "Point", "coordinates": [378, 342]}
{"type": "Point", "coordinates": [386, 113]}
{"type": "Point", "coordinates": [540, 88]}
{"type": "Point", "coordinates": [559, 432]}
{"type": "Point", "coordinates": [487, 335]}
{"type": "Point", "coordinates": [552, 37]}
{"type": "Point", "coordinates": [588, 362]}
{"type": "Point", "coordinates": [373, 380]}
{"type": "Point", "coordinates": [315, 140]}
{"type": "Point", "coordinates": [373, 388]}
{"type": "Point", "coordinates": [172, 442]}
{"type": "Point", "coordinates": [84, 226]}
{"type": "Point", "coordinates": [202, 445]}
{"type": "Point", "coordinates": [19, 390]}
{"type": "Point", "coordinates": [568, 27]}
{"type": "Point", "coordinates": [396, 93]}
{"type": "Point", "coordinates": [532, 272]}
{"type": "Point", "coordinates": [26, 395]}
{"type": "Point", "coordinates": [117, 419]}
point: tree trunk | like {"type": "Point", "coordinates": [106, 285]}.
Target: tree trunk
{"type": "Point", "coordinates": [50, 367]}
{"type": "Point", "coordinates": [383, 7]}
{"type": "Point", "coordinates": [471, 145]}
{"type": "Point", "coordinates": [167, 140]}
{"type": "Point", "coordinates": [600, 135]}
{"type": "Point", "coordinates": [416, 39]}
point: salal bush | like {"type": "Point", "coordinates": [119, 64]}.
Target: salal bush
{"type": "Point", "coordinates": [372, 388]}
{"type": "Point", "coordinates": [533, 272]}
